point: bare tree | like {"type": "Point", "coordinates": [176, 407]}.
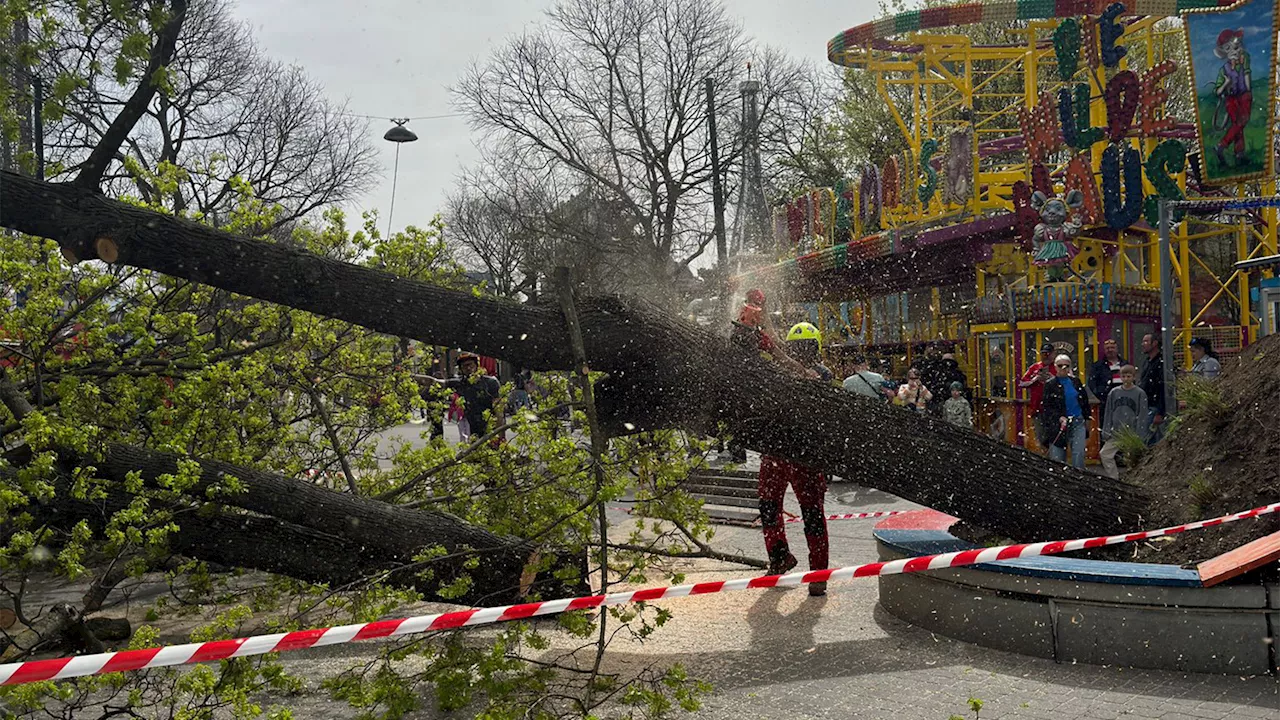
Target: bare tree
{"type": "Point", "coordinates": [800, 137]}
{"type": "Point", "coordinates": [610, 95]}
{"type": "Point", "coordinates": [487, 236]}
{"type": "Point", "coordinates": [235, 121]}
{"type": "Point", "coordinates": [520, 220]}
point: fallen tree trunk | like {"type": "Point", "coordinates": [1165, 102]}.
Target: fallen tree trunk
{"type": "Point", "coordinates": [274, 546]}
{"type": "Point", "coordinates": [662, 371]}
{"type": "Point", "coordinates": [371, 532]}
{"type": "Point", "coordinates": [371, 525]}
{"type": "Point", "coordinates": [306, 531]}
{"type": "Point", "coordinates": [319, 535]}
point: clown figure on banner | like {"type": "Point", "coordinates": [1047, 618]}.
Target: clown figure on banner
{"type": "Point", "coordinates": [1054, 239]}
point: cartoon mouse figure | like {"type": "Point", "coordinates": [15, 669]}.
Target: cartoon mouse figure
{"type": "Point", "coordinates": [1054, 234]}
{"type": "Point", "coordinates": [1234, 88]}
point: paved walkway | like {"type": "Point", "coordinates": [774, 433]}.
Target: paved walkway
{"type": "Point", "coordinates": [781, 654]}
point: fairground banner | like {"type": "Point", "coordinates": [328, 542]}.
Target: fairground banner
{"type": "Point", "coordinates": [1233, 54]}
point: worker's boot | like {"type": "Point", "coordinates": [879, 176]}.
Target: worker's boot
{"type": "Point", "coordinates": [781, 561]}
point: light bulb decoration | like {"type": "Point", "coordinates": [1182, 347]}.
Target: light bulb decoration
{"type": "Point", "coordinates": [844, 210]}
{"type": "Point", "coordinates": [1066, 48]}
{"type": "Point", "coordinates": [1079, 176]}
{"type": "Point", "coordinates": [1025, 216]}
{"type": "Point", "coordinates": [1110, 31]}
{"type": "Point", "coordinates": [1073, 114]}
{"type": "Point", "coordinates": [889, 181]}
{"type": "Point", "coordinates": [957, 166]}
{"type": "Point", "coordinates": [1168, 158]}
{"type": "Point", "coordinates": [1041, 180]}
{"type": "Point", "coordinates": [1152, 98]}
{"type": "Point", "coordinates": [869, 195]}
{"type": "Point", "coordinates": [1122, 103]}
{"type": "Point", "coordinates": [1121, 209]}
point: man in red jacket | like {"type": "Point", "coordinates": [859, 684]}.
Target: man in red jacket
{"type": "Point", "coordinates": [1034, 379]}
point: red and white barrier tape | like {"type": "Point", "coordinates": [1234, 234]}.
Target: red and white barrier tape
{"type": "Point", "coordinates": [62, 668]}
{"type": "Point", "coordinates": [853, 516]}
{"type": "Point", "coordinates": [839, 516]}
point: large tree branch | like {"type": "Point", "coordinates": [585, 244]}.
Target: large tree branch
{"type": "Point", "coordinates": [136, 106]}
{"type": "Point", "coordinates": [308, 532]}
{"type": "Point", "coordinates": [662, 371]}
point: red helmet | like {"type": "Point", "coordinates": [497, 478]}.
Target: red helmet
{"type": "Point", "coordinates": [756, 297]}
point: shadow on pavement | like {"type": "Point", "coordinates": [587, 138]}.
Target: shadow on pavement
{"type": "Point", "coordinates": [785, 648]}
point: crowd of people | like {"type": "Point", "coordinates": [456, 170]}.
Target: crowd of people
{"type": "Point", "coordinates": [1129, 397]}
{"type": "Point", "coordinates": [936, 386]}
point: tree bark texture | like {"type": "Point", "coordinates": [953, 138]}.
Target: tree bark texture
{"type": "Point", "coordinates": [332, 557]}
{"type": "Point", "coordinates": [663, 371]}
{"type": "Point", "coordinates": [362, 534]}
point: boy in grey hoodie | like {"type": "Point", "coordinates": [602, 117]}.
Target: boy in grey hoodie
{"type": "Point", "coordinates": [1126, 405]}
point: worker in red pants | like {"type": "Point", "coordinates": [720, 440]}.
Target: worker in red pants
{"type": "Point", "coordinates": [804, 344]}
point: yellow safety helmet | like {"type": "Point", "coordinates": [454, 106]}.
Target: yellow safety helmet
{"type": "Point", "coordinates": [804, 331]}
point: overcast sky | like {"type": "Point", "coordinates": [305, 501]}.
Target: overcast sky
{"type": "Point", "coordinates": [398, 58]}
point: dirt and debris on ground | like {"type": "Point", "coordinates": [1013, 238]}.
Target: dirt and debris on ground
{"type": "Point", "coordinates": [1218, 462]}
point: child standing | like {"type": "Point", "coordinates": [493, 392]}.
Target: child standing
{"type": "Point", "coordinates": [1126, 407]}
{"type": "Point", "coordinates": [956, 409]}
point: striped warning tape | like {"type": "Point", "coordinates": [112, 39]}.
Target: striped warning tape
{"type": "Point", "coordinates": [101, 663]}
{"type": "Point", "coordinates": [854, 516]}
{"type": "Point", "coordinates": [838, 516]}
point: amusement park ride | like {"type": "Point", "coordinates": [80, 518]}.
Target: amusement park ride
{"type": "Point", "coordinates": [1025, 207]}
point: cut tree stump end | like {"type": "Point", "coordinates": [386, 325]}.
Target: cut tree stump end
{"type": "Point", "coordinates": [107, 249]}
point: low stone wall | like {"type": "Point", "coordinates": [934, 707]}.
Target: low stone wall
{"type": "Point", "coordinates": [1068, 610]}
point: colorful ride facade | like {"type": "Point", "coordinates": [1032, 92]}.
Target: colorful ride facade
{"type": "Point", "coordinates": [1024, 207]}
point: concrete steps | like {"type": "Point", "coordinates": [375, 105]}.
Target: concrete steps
{"type": "Point", "coordinates": [728, 496]}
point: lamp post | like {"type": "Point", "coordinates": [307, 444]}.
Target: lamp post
{"type": "Point", "coordinates": [1166, 307]}
{"type": "Point", "coordinates": [398, 134]}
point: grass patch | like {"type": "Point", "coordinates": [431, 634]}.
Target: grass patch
{"type": "Point", "coordinates": [1203, 495]}
{"type": "Point", "coordinates": [1202, 397]}
{"type": "Point", "coordinates": [1131, 446]}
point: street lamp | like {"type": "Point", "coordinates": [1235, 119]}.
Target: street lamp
{"type": "Point", "coordinates": [398, 134]}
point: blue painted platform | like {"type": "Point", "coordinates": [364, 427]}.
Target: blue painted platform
{"type": "Point", "coordinates": [923, 532]}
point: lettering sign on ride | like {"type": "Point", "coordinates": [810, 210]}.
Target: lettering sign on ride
{"type": "Point", "coordinates": [1111, 182]}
